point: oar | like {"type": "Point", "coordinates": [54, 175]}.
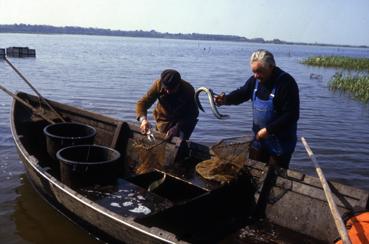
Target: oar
{"type": "Point", "coordinates": [328, 194]}
{"type": "Point", "coordinates": [26, 104]}
{"type": "Point", "coordinates": [34, 89]}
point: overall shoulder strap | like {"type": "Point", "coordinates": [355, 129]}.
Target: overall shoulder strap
{"type": "Point", "coordinates": [255, 89]}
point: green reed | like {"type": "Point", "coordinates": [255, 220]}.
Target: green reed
{"type": "Point", "coordinates": [348, 63]}
{"type": "Point", "coordinates": [357, 85]}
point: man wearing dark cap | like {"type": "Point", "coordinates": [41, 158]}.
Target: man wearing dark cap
{"type": "Point", "coordinates": [176, 111]}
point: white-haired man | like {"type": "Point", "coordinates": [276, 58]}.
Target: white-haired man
{"type": "Point", "coordinates": [276, 104]}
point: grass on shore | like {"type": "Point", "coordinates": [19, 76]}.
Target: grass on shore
{"type": "Point", "coordinates": [348, 63]}
{"type": "Point", "coordinates": [358, 85]}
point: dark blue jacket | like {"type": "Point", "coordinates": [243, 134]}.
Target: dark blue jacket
{"type": "Point", "coordinates": [286, 101]}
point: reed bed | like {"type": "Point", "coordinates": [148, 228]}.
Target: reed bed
{"type": "Point", "coordinates": [348, 63]}
{"type": "Point", "coordinates": [357, 86]}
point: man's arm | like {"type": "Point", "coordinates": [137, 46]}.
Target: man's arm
{"type": "Point", "coordinates": [147, 101]}
{"type": "Point", "coordinates": [288, 102]}
{"type": "Point", "coordinates": [240, 95]}
{"type": "Point", "coordinates": [144, 104]}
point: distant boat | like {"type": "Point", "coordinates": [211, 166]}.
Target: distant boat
{"type": "Point", "coordinates": [180, 206]}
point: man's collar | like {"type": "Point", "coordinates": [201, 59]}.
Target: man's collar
{"type": "Point", "coordinates": [272, 77]}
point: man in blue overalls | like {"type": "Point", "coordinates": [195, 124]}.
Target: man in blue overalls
{"type": "Point", "coordinates": [276, 104]}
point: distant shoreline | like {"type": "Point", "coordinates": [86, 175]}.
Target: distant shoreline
{"type": "Point", "coordinates": [48, 29]}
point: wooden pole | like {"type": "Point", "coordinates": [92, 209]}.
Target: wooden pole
{"type": "Point", "coordinates": [26, 104]}
{"type": "Point", "coordinates": [34, 89]}
{"type": "Point", "coordinates": [328, 194]}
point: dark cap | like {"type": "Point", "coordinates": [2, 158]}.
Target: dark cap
{"type": "Point", "coordinates": [170, 78]}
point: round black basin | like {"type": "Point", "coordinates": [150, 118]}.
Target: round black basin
{"type": "Point", "coordinates": [67, 134]}
{"type": "Point", "coordinates": [83, 165]}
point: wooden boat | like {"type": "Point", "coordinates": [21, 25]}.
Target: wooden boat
{"type": "Point", "coordinates": [184, 207]}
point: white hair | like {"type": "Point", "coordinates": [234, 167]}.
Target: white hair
{"type": "Point", "coordinates": [263, 56]}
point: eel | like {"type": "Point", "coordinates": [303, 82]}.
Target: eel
{"type": "Point", "coordinates": [211, 95]}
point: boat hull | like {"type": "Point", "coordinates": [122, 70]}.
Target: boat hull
{"type": "Point", "coordinates": [295, 201]}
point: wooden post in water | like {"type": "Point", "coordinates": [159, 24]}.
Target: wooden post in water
{"type": "Point", "coordinates": [328, 194]}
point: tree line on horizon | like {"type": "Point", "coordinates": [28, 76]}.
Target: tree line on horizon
{"type": "Point", "coordinates": [48, 29]}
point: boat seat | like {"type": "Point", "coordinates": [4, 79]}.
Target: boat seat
{"type": "Point", "coordinates": [126, 199]}
{"type": "Point", "coordinates": [165, 185]}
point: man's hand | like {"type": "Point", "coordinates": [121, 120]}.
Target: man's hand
{"type": "Point", "coordinates": [262, 134]}
{"type": "Point", "coordinates": [145, 126]}
{"type": "Point", "coordinates": [219, 100]}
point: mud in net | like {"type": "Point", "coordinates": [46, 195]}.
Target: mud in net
{"type": "Point", "coordinates": [230, 158]}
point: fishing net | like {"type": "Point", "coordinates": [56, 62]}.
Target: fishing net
{"type": "Point", "coordinates": [146, 156]}
{"type": "Point", "coordinates": [230, 158]}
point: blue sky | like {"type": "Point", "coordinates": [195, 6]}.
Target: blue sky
{"type": "Point", "coordinates": [323, 21]}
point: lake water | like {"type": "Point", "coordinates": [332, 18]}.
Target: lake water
{"type": "Point", "coordinates": [109, 74]}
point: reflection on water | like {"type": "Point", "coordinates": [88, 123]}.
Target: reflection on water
{"type": "Point", "coordinates": [37, 222]}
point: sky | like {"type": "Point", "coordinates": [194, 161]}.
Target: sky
{"type": "Point", "coordinates": [323, 21]}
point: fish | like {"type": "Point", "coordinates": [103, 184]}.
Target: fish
{"type": "Point", "coordinates": [150, 136]}
{"type": "Point", "coordinates": [157, 183]}
{"type": "Point", "coordinates": [211, 95]}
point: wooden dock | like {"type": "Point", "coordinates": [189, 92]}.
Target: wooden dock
{"type": "Point", "coordinates": [2, 53]}
{"type": "Point", "coordinates": [20, 52]}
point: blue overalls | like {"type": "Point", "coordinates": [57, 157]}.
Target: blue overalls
{"type": "Point", "coordinates": [263, 114]}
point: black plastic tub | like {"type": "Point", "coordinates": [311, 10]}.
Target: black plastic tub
{"type": "Point", "coordinates": [85, 165]}
{"type": "Point", "coordinates": [67, 134]}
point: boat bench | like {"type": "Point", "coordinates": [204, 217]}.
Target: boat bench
{"type": "Point", "coordinates": [126, 199]}
{"type": "Point", "coordinates": [131, 197]}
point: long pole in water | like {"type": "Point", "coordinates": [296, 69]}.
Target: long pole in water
{"type": "Point", "coordinates": [34, 89]}
{"type": "Point", "coordinates": [328, 193]}
{"type": "Point", "coordinates": [26, 104]}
